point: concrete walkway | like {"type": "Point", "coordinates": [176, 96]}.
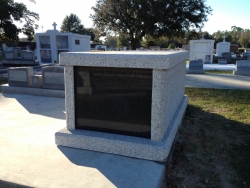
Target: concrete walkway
{"type": "Point", "coordinates": [29, 156]}
{"type": "Point", "coordinates": [217, 81]}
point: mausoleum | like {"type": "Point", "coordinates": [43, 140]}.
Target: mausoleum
{"type": "Point", "coordinates": [51, 43]}
{"type": "Point", "coordinates": [202, 49]}
{"type": "Point", "coordinates": [128, 103]}
{"type": "Point", "coordinates": [222, 47]}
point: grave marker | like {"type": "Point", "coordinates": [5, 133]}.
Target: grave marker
{"type": "Point", "coordinates": [242, 68]}
{"type": "Point", "coordinates": [20, 76]}
{"type": "Point", "coordinates": [53, 77]}
{"type": "Point", "coordinates": [195, 67]}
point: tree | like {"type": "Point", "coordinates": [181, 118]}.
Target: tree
{"type": "Point", "coordinates": [138, 18]}
{"type": "Point", "coordinates": [10, 12]}
{"type": "Point", "coordinates": [72, 24]}
{"type": "Point", "coordinates": [123, 40]}
{"type": "Point", "coordinates": [111, 41]}
{"type": "Point", "coordinates": [236, 34]}
{"type": "Point", "coordinates": [245, 38]}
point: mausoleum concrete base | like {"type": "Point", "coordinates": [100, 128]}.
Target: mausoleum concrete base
{"type": "Point", "coordinates": [125, 145]}
{"type": "Point", "coordinates": [5, 88]}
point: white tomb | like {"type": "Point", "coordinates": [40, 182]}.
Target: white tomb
{"type": "Point", "coordinates": [202, 49]}
{"type": "Point", "coordinates": [50, 44]}
{"type": "Point", "coordinates": [222, 47]}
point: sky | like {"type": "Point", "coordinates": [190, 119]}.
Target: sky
{"type": "Point", "coordinates": [226, 13]}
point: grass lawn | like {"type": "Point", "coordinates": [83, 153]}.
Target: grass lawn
{"type": "Point", "coordinates": [213, 149]}
{"type": "Point", "coordinates": [218, 72]}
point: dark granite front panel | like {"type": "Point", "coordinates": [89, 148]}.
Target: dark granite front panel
{"type": "Point", "coordinates": [113, 100]}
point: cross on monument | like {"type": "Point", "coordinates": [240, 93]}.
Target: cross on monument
{"type": "Point", "coordinates": [54, 24]}
{"type": "Point", "coordinates": [224, 38]}
{"type": "Point", "coordinates": [202, 35]}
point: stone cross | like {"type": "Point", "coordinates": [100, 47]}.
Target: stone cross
{"type": "Point", "coordinates": [202, 36]}
{"type": "Point", "coordinates": [224, 38]}
{"type": "Point", "coordinates": [54, 24]}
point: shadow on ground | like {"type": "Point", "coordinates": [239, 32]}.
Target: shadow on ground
{"type": "Point", "coordinates": [45, 106]}
{"type": "Point", "coordinates": [117, 169]}
{"type": "Point", "coordinates": [212, 151]}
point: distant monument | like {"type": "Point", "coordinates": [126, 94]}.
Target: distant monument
{"type": "Point", "coordinates": [222, 47]}
{"type": "Point", "coordinates": [51, 43]}
{"type": "Point", "coordinates": [202, 49]}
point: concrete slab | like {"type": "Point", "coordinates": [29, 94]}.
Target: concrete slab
{"type": "Point", "coordinates": [5, 88]}
{"type": "Point", "coordinates": [218, 81]}
{"type": "Point", "coordinates": [29, 156]}
{"type": "Point", "coordinates": [217, 67]}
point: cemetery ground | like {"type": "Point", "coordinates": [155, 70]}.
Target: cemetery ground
{"type": "Point", "coordinates": [213, 147]}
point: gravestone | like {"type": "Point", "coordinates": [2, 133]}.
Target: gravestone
{"type": "Point", "coordinates": [227, 56]}
{"type": "Point", "coordinates": [53, 77]}
{"type": "Point", "coordinates": [242, 68]}
{"type": "Point", "coordinates": [135, 106]}
{"type": "Point", "coordinates": [222, 61]}
{"type": "Point", "coordinates": [246, 54]}
{"type": "Point", "coordinates": [9, 55]}
{"type": "Point", "coordinates": [195, 67]}
{"type": "Point", "coordinates": [28, 55]}
{"type": "Point", "coordinates": [19, 57]}
{"type": "Point", "coordinates": [156, 48]}
{"type": "Point", "coordinates": [36, 81]}
{"type": "Point", "coordinates": [20, 76]}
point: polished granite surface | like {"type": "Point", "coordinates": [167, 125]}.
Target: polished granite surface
{"type": "Point", "coordinates": [113, 100]}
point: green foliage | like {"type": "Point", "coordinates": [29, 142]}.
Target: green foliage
{"type": "Point", "coordinates": [111, 41]}
{"type": "Point", "coordinates": [171, 46]}
{"type": "Point", "coordinates": [123, 40]}
{"type": "Point", "coordinates": [138, 18]}
{"type": "Point", "coordinates": [11, 11]}
{"type": "Point", "coordinates": [72, 24]}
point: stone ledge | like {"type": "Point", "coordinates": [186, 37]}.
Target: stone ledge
{"type": "Point", "coordinates": [125, 145]}
{"type": "Point", "coordinates": [127, 59]}
{"type": "Point", "coordinates": [5, 88]}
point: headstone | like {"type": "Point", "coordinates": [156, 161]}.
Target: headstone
{"type": "Point", "coordinates": [208, 59]}
{"type": "Point", "coordinates": [20, 76]}
{"type": "Point", "coordinates": [18, 57]}
{"type": "Point", "coordinates": [9, 55]}
{"type": "Point", "coordinates": [222, 47]}
{"type": "Point", "coordinates": [222, 61]}
{"type": "Point", "coordinates": [53, 77]}
{"type": "Point", "coordinates": [245, 54]}
{"type": "Point", "coordinates": [195, 67]}
{"type": "Point", "coordinates": [227, 56]}
{"type": "Point", "coordinates": [156, 48]}
{"type": "Point", "coordinates": [185, 47]}
{"type": "Point", "coordinates": [36, 81]}
{"type": "Point", "coordinates": [28, 55]}
{"type": "Point", "coordinates": [242, 68]}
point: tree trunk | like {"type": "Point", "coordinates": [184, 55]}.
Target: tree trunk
{"type": "Point", "coordinates": [134, 43]}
